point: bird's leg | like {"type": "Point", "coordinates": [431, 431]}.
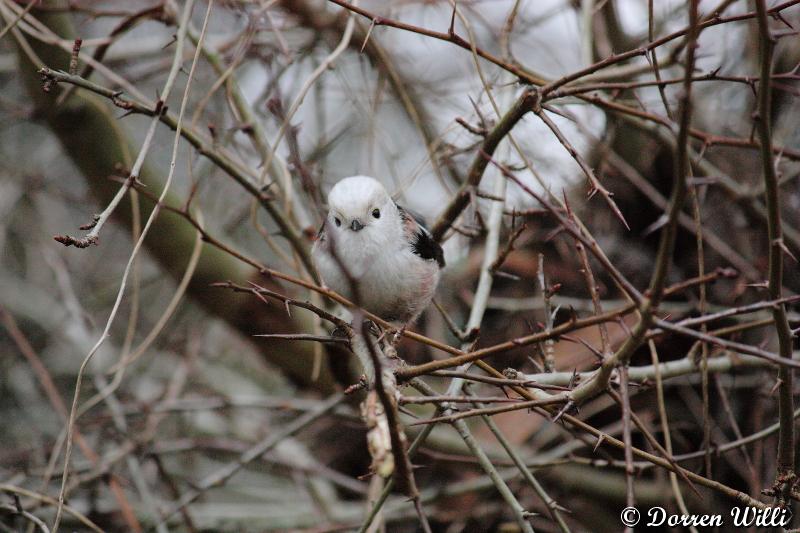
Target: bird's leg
{"type": "Point", "coordinates": [374, 329]}
{"type": "Point", "coordinates": [390, 337]}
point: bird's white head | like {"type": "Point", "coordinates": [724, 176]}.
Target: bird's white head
{"type": "Point", "coordinates": [360, 208]}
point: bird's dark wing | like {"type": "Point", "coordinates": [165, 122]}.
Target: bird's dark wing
{"type": "Point", "coordinates": [420, 238]}
{"type": "Point", "coordinates": [405, 212]}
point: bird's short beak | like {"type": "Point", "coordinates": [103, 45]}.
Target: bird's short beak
{"type": "Point", "coordinates": [356, 225]}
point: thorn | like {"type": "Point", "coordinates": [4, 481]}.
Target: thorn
{"type": "Point", "coordinates": [573, 379]}
{"type": "Point", "coordinates": [786, 250]}
{"type": "Point", "coordinates": [617, 212]}
{"type": "Point", "coordinates": [407, 412]}
{"type": "Point", "coordinates": [777, 15]}
{"type": "Point", "coordinates": [171, 41]}
{"type": "Point", "coordinates": [261, 297]}
{"type": "Point", "coordinates": [566, 204]}
{"type": "Point", "coordinates": [506, 275]}
{"type": "Point", "coordinates": [451, 30]}
{"type": "Point", "coordinates": [655, 226]}
{"type": "Point", "coordinates": [563, 410]}
{"type": "Point", "coordinates": [553, 234]}
{"type": "Point", "coordinates": [369, 32]}
{"type": "Point", "coordinates": [624, 326]}
{"type": "Point", "coordinates": [600, 440]}
{"type": "Point", "coordinates": [588, 346]}
{"type": "Point", "coordinates": [475, 130]}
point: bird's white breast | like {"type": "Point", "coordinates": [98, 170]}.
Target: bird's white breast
{"type": "Point", "coordinates": [393, 282]}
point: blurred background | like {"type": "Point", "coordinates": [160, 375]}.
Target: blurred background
{"type": "Point", "coordinates": [288, 97]}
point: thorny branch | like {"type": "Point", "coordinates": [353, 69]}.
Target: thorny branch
{"type": "Point", "coordinates": [785, 477]}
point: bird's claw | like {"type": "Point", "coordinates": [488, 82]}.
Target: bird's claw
{"type": "Point", "coordinates": [373, 329]}
{"type": "Point", "coordinates": [340, 332]}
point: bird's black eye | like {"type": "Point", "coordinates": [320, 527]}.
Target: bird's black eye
{"type": "Point", "coordinates": [338, 222]}
{"type": "Point", "coordinates": [376, 213]}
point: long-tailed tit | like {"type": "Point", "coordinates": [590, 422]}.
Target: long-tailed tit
{"type": "Point", "coordinates": [372, 244]}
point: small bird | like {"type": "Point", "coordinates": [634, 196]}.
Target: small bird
{"type": "Point", "coordinates": [389, 255]}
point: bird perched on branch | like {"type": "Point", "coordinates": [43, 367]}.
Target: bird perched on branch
{"type": "Point", "coordinates": [376, 253]}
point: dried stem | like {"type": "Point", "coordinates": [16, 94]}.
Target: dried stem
{"type": "Point", "coordinates": [552, 506]}
{"type": "Point", "coordinates": [662, 412]}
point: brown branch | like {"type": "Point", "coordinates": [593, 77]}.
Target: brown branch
{"type": "Point", "coordinates": [576, 232]}
{"type": "Point", "coordinates": [303, 337]}
{"type": "Point", "coordinates": [596, 186]}
{"type": "Point", "coordinates": [523, 74]}
{"type": "Point", "coordinates": [460, 358]}
{"type": "Point", "coordinates": [408, 372]}
{"type": "Point", "coordinates": [455, 399]}
{"type": "Point", "coordinates": [490, 143]}
{"type": "Point", "coordinates": [490, 410]}
{"type": "Point", "coordinates": [735, 346]}
{"type": "Point", "coordinates": [734, 494]}
{"type": "Point", "coordinates": [258, 291]}
{"type": "Point", "coordinates": [501, 257]}
{"type": "Point", "coordinates": [785, 476]}
{"type": "Point", "coordinates": [628, 85]}
{"type": "Point", "coordinates": [666, 247]}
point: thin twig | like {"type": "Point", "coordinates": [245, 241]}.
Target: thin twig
{"type": "Point", "coordinates": [594, 184]}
